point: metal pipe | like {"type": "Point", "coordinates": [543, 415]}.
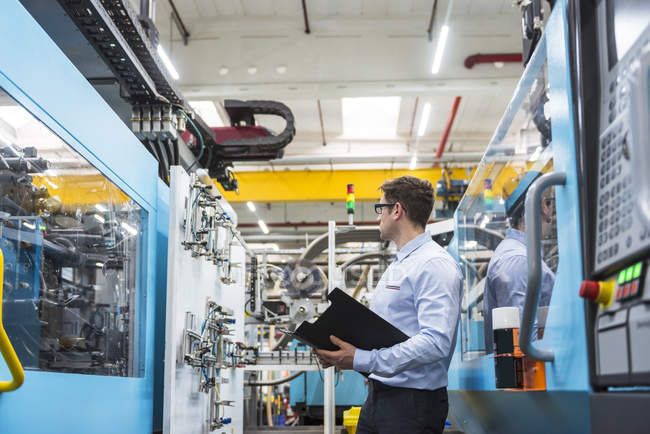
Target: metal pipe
{"type": "Point", "coordinates": [179, 23]}
{"type": "Point", "coordinates": [328, 386]}
{"type": "Point", "coordinates": [432, 19]}
{"type": "Point", "coordinates": [474, 59]}
{"type": "Point", "coordinates": [322, 125]}
{"type": "Point", "coordinates": [305, 16]}
{"type": "Point", "coordinates": [415, 110]}
{"type": "Point", "coordinates": [275, 382]}
{"type": "Point", "coordinates": [450, 122]}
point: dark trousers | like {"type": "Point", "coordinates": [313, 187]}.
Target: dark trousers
{"type": "Point", "coordinates": [396, 410]}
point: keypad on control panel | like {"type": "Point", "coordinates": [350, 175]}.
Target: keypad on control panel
{"type": "Point", "coordinates": [615, 205]}
{"type": "Point", "coordinates": [618, 229]}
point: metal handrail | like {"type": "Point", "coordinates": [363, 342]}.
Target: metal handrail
{"type": "Point", "coordinates": [7, 350]}
{"type": "Point", "coordinates": [534, 254]}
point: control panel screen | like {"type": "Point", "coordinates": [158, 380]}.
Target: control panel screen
{"type": "Point", "coordinates": [626, 19]}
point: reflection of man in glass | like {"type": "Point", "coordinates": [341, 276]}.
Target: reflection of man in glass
{"type": "Point", "coordinates": [507, 275]}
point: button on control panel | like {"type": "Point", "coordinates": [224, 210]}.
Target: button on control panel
{"type": "Point", "coordinates": [628, 282]}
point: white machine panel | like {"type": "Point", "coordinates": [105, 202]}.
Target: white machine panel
{"type": "Point", "coordinates": [191, 282]}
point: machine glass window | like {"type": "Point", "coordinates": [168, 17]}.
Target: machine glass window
{"type": "Point", "coordinates": [72, 242]}
{"type": "Point", "coordinates": [490, 219]}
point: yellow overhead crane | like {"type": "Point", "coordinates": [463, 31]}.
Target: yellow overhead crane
{"type": "Point", "coordinates": [325, 185]}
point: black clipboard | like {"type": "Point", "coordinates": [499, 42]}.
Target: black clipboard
{"type": "Point", "coordinates": [351, 322]}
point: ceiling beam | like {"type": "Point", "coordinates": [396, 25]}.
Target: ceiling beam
{"type": "Point", "coordinates": [339, 89]}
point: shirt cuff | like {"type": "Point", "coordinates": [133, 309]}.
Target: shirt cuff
{"type": "Point", "coordinates": [362, 359]}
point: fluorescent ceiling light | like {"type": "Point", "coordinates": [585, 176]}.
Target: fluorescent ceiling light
{"type": "Point", "coordinates": [414, 160]}
{"type": "Point", "coordinates": [370, 117]}
{"type": "Point", "coordinates": [208, 112]}
{"type": "Point", "coordinates": [424, 119]}
{"type": "Point", "coordinates": [99, 264]}
{"type": "Point", "coordinates": [130, 229]}
{"type": "Point", "coordinates": [223, 70]}
{"type": "Point", "coordinates": [168, 63]}
{"type": "Point", "coordinates": [440, 49]}
{"type": "Point", "coordinates": [251, 206]}
{"type": "Point", "coordinates": [263, 226]}
{"type": "Point", "coordinates": [15, 115]}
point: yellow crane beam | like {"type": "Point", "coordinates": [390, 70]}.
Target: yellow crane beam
{"type": "Point", "coordinates": [324, 185]}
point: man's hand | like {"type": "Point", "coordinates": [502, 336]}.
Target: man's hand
{"type": "Point", "coordinates": [342, 358]}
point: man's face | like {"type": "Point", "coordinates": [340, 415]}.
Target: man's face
{"type": "Point", "coordinates": [386, 223]}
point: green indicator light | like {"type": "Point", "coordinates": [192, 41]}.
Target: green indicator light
{"type": "Point", "coordinates": [637, 270]}
{"type": "Point", "coordinates": [628, 274]}
{"type": "Point", "coordinates": [621, 277]}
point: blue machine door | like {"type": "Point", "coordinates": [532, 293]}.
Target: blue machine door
{"type": "Point", "coordinates": [77, 232]}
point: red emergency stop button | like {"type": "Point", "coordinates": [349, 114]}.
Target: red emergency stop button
{"type": "Point", "coordinates": [589, 290]}
{"type": "Point", "coordinates": [600, 292]}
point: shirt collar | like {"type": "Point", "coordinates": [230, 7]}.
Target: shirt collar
{"type": "Point", "coordinates": [516, 235]}
{"type": "Point", "coordinates": [413, 245]}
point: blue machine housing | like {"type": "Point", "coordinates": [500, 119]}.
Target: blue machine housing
{"type": "Point", "coordinates": [40, 77]}
{"type": "Point", "coordinates": [349, 391]}
{"type": "Point", "coordinates": [476, 406]}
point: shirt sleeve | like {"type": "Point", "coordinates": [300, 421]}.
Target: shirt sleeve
{"type": "Point", "coordinates": [436, 290]}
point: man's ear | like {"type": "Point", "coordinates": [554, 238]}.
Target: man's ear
{"type": "Point", "coordinates": [398, 209]}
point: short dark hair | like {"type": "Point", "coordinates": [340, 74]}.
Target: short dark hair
{"type": "Point", "coordinates": [414, 194]}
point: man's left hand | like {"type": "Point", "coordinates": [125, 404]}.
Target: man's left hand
{"type": "Point", "coordinates": [343, 358]}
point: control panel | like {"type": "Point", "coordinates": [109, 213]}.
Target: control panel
{"type": "Point", "coordinates": [622, 227]}
{"type": "Point", "coordinates": [619, 316]}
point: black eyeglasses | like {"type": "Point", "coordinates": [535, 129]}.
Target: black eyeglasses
{"type": "Point", "coordinates": [379, 206]}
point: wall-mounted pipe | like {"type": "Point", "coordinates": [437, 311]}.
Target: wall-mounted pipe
{"type": "Point", "coordinates": [474, 59]}
{"type": "Point", "coordinates": [450, 123]}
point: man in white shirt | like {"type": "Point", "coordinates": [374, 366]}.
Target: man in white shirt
{"type": "Point", "coordinates": [420, 294]}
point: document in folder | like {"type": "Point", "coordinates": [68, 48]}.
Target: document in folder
{"type": "Point", "coordinates": [350, 321]}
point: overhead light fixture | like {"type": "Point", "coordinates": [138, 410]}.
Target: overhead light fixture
{"type": "Point", "coordinates": [281, 69]}
{"type": "Point", "coordinates": [251, 206]}
{"type": "Point", "coordinates": [370, 117]}
{"type": "Point", "coordinates": [499, 65]}
{"type": "Point", "coordinates": [223, 70]}
{"type": "Point", "coordinates": [263, 226]}
{"type": "Point", "coordinates": [414, 160]}
{"type": "Point", "coordinates": [99, 264]}
{"type": "Point", "coordinates": [252, 70]}
{"type": "Point", "coordinates": [440, 48]}
{"type": "Point", "coordinates": [424, 119]}
{"type": "Point", "coordinates": [208, 112]}
{"type": "Point", "coordinates": [168, 63]}
{"type": "Point", "coordinates": [130, 229]}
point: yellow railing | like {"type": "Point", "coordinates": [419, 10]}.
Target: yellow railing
{"type": "Point", "coordinates": [6, 348]}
